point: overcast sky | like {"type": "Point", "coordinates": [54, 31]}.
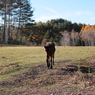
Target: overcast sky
{"type": "Point", "coordinates": [80, 11]}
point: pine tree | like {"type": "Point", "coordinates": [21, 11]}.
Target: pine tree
{"type": "Point", "coordinates": [15, 13]}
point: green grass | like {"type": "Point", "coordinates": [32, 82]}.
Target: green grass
{"type": "Point", "coordinates": [23, 55]}
{"type": "Point", "coordinates": [27, 55]}
{"type": "Point", "coordinates": [66, 53]}
{"type": "Point", "coordinates": [14, 60]}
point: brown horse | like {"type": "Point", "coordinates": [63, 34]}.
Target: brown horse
{"type": "Point", "coordinates": [50, 50]}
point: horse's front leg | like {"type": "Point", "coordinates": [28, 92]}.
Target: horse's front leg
{"type": "Point", "coordinates": [47, 60]}
{"type": "Point", "coordinates": [51, 63]}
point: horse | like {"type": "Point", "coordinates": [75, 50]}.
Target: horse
{"type": "Point", "coordinates": [50, 50]}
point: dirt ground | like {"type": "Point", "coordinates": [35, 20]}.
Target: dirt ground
{"type": "Point", "coordinates": [68, 77]}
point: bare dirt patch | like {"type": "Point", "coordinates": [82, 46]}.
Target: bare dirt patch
{"type": "Point", "coordinates": [63, 79]}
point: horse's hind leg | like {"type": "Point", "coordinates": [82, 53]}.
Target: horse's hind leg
{"type": "Point", "coordinates": [53, 59]}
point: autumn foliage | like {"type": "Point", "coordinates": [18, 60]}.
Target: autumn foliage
{"type": "Point", "coordinates": [60, 31]}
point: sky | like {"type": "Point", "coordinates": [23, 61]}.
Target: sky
{"type": "Point", "coordinates": [79, 11]}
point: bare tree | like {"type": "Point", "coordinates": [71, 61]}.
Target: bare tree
{"type": "Point", "coordinates": [88, 36]}
{"type": "Point", "coordinates": [65, 40]}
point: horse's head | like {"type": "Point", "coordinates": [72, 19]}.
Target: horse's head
{"type": "Point", "coordinates": [46, 48]}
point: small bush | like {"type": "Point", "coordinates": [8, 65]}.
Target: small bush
{"type": "Point", "coordinates": [10, 40]}
{"type": "Point", "coordinates": [14, 41]}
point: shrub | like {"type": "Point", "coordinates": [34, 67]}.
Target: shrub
{"type": "Point", "coordinates": [14, 41]}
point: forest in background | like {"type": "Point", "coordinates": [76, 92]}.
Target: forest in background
{"type": "Point", "coordinates": [18, 27]}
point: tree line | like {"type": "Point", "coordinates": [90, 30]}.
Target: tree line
{"type": "Point", "coordinates": [18, 27]}
{"type": "Point", "coordinates": [52, 30]}
{"type": "Point", "coordinates": [60, 31]}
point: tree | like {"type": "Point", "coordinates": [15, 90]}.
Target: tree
{"type": "Point", "coordinates": [75, 39]}
{"type": "Point", "coordinates": [65, 40]}
{"type": "Point", "coordinates": [88, 36]}
{"type": "Point", "coordinates": [15, 13]}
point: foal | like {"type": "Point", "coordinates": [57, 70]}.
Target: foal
{"type": "Point", "coordinates": [50, 50]}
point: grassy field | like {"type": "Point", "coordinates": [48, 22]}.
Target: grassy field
{"type": "Point", "coordinates": [23, 57]}
{"type": "Point", "coordinates": [28, 55]}
{"type": "Point", "coordinates": [15, 61]}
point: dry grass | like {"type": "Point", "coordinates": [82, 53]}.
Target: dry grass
{"type": "Point", "coordinates": [39, 80]}
{"type": "Point", "coordinates": [23, 71]}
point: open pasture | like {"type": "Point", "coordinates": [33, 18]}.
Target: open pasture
{"type": "Point", "coordinates": [24, 68]}
{"type": "Point", "coordinates": [28, 55]}
{"type": "Point", "coordinates": [14, 59]}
